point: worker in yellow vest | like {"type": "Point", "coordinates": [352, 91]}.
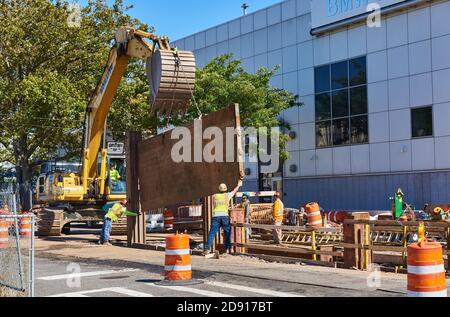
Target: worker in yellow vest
{"type": "Point", "coordinates": [221, 217]}
{"type": "Point", "coordinates": [114, 211]}
{"type": "Point", "coordinates": [278, 210]}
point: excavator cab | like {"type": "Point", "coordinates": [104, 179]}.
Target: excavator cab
{"type": "Point", "coordinates": [117, 177]}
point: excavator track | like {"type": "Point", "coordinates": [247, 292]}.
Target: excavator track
{"type": "Point", "coordinates": [50, 222]}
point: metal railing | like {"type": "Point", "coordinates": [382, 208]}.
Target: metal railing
{"type": "Point", "coordinates": [16, 249]}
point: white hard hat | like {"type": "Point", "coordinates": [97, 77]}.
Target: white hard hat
{"type": "Point", "coordinates": [223, 188]}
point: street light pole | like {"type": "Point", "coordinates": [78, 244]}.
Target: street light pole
{"type": "Point", "coordinates": [244, 7]}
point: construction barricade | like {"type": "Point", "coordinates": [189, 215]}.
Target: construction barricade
{"type": "Point", "coordinates": [426, 270]}
{"type": "Point", "coordinates": [177, 266]}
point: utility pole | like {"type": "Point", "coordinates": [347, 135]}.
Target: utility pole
{"type": "Point", "coordinates": [244, 7]}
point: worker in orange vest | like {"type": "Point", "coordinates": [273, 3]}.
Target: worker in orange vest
{"type": "Point", "coordinates": [278, 210]}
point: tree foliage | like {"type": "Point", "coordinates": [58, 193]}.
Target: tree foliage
{"type": "Point", "coordinates": [224, 81]}
{"type": "Point", "coordinates": [48, 70]}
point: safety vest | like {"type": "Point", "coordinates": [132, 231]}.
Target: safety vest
{"type": "Point", "coordinates": [278, 210]}
{"type": "Point", "coordinates": [220, 205]}
{"type": "Point", "coordinates": [114, 175]}
{"type": "Point", "coordinates": [115, 212]}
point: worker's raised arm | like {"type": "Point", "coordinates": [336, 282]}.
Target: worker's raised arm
{"type": "Point", "coordinates": [234, 192]}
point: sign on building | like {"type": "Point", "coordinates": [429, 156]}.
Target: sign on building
{"type": "Point", "coordinates": [327, 12]}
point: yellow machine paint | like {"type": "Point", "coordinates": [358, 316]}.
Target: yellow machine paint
{"type": "Point", "coordinates": [80, 196]}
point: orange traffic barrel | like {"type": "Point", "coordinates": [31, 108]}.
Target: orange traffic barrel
{"type": "Point", "coordinates": [168, 220]}
{"type": "Point", "coordinates": [426, 271]}
{"type": "Point", "coordinates": [4, 233]}
{"type": "Point", "coordinates": [313, 215]}
{"type": "Point", "coordinates": [337, 216]}
{"type": "Point", "coordinates": [178, 258]}
{"type": "Point", "coordinates": [25, 226]}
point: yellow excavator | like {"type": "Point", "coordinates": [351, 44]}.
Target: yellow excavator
{"type": "Point", "coordinates": [70, 193]}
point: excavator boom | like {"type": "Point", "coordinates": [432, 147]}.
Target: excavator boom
{"type": "Point", "coordinates": [171, 75]}
{"type": "Point", "coordinates": [79, 196]}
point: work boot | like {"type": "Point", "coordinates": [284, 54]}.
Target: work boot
{"type": "Point", "coordinates": [206, 252]}
{"type": "Point", "coordinates": [107, 243]}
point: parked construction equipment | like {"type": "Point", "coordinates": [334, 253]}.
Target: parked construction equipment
{"type": "Point", "coordinates": [71, 196]}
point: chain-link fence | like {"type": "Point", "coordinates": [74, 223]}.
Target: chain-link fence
{"type": "Point", "coordinates": [16, 249]}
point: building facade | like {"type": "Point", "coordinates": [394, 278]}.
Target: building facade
{"type": "Point", "coordinates": [376, 112]}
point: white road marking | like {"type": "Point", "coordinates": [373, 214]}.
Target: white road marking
{"type": "Point", "coordinates": [191, 290]}
{"type": "Point", "coordinates": [120, 290]}
{"type": "Point", "coordinates": [253, 290]}
{"type": "Point", "coordinates": [85, 274]}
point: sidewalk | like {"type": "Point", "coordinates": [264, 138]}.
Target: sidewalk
{"type": "Point", "coordinates": [80, 249]}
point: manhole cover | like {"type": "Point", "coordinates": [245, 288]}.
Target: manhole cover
{"type": "Point", "coordinates": [115, 277]}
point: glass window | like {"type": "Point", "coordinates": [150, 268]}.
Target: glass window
{"type": "Point", "coordinates": [358, 100]}
{"type": "Point", "coordinates": [340, 103]}
{"type": "Point", "coordinates": [322, 79]}
{"type": "Point", "coordinates": [339, 75]}
{"type": "Point", "coordinates": [422, 122]}
{"type": "Point", "coordinates": [358, 71]}
{"type": "Point", "coordinates": [359, 130]}
{"type": "Point", "coordinates": [323, 107]}
{"type": "Point", "coordinates": [323, 134]}
{"type": "Point", "coordinates": [341, 132]}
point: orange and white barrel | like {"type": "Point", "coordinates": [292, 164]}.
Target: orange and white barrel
{"type": "Point", "coordinates": [426, 271]}
{"type": "Point", "coordinates": [314, 216]}
{"type": "Point", "coordinates": [178, 258]}
{"type": "Point", "coordinates": [25, 226]}
{"type": "Point", "coordinates": [10, 220]}
{"type": "Point", "coordinates": [4, 233]}
{"type": "Point", "coordinates": [168, 220]}
{"type": "Point", "coordinates": [336, 216]}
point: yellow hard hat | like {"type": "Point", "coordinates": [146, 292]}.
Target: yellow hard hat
{"type": "Point", "coordinates": [223, 188]}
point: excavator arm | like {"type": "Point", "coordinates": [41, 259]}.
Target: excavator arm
{"type": "Point", "coordinates": [130, 43]}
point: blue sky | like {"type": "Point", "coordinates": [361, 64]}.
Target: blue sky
{"type": "Point", "coordinates": [178, 18]}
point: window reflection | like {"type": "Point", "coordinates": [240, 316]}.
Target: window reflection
{"type": "Point", "coordinates": [342, 104]}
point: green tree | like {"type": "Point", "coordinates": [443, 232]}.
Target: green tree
{"type": "Point", "coordinates": [221, 82]}
{"type": "Point", "coordinates": [49, 67]}
{"type": "Point", "coordinates": [224, 81]}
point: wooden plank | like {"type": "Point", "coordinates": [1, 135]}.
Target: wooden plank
{"type": "Point", "coordinates": [441, 224]}
{"type": "Point", "coordinates": [288, 250]}
{"type": "Point", "coordinates": [136, 226]}
{"type": "Point", "coordinates": [289, 228]}
{"type": "Point", "coordinates": [165, 182]}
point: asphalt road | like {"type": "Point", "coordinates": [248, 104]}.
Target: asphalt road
{"type": "Point", "coordinates": [61, 278]}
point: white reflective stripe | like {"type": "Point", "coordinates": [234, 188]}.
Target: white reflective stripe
{"type": "Point", "coordinates": [178, 252]}
{"type": "Point", "coordinates": [335, 217]}
{"type": "Point", "coordinates": [315, 222]}
{"type": "Point", "coordinates": [4, 239]}
{"type": "Point", "coordinates": [429, 269]}
{"type": "Point", "coordinates": [171, 268]}
{"type": "Point", "coordinates": [169, 218]}
{"type": "Point", "coordinates": [25, 230]}
{"type": "Point", "coordinates": [3, 229]}
{"type": "Point", "coordinates": [428, 294]}
{"type": "Point", "coordinates": [314, 214]}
